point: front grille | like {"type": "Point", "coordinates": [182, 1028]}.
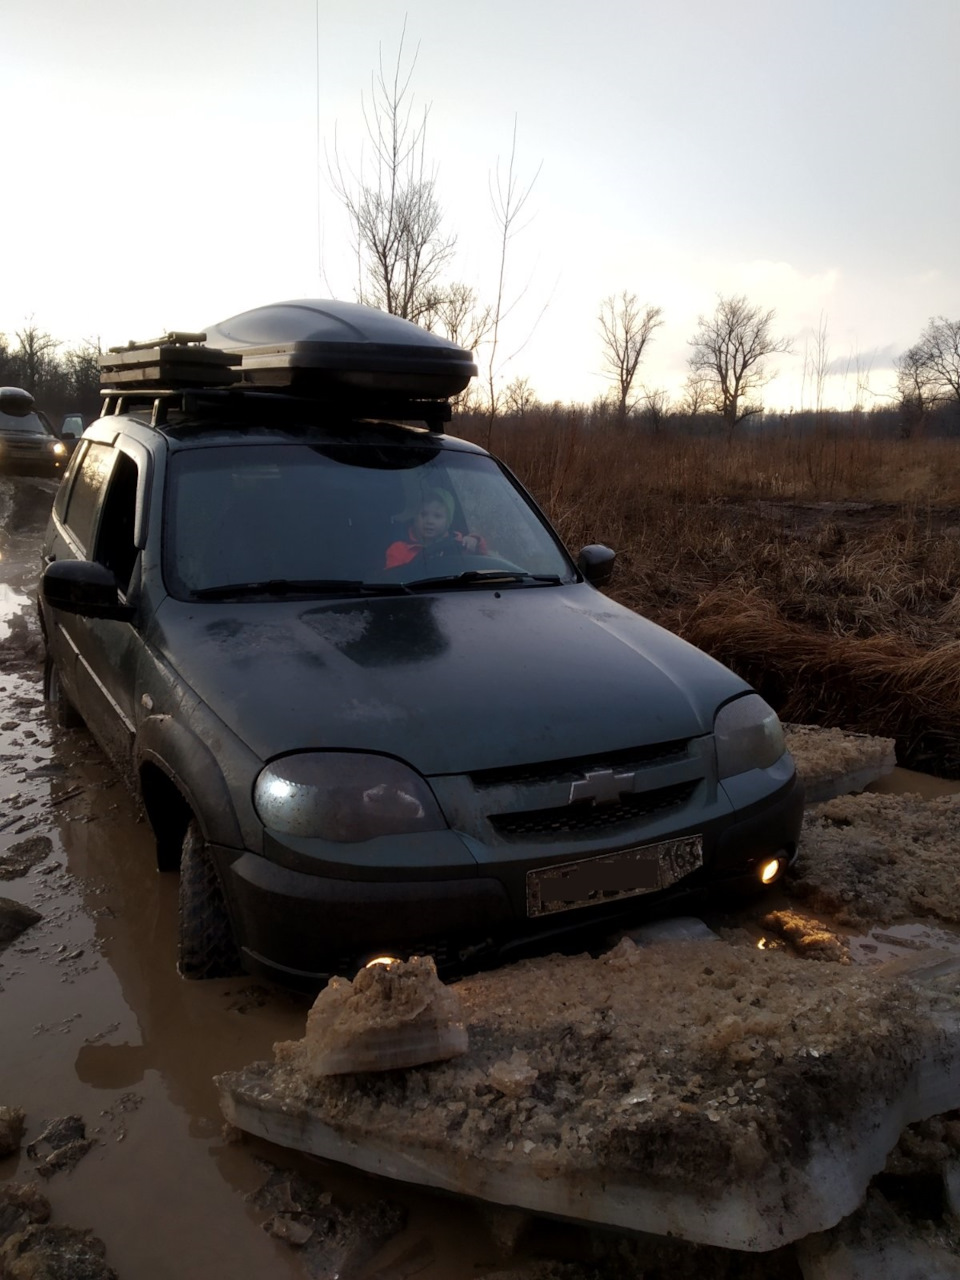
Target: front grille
{"type": "Point", "coordinates": [569, 770]}
{"type": "Point", "coordinates": [577, 819]}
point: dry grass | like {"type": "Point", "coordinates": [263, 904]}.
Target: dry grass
{"type": "Point", "coordinates": [825, 570]}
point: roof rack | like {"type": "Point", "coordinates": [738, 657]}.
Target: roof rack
{"type": "Point", "coordinates": [161, 403]}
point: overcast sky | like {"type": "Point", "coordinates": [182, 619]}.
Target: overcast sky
{"type": "Point", "coordinates": [163, 165]}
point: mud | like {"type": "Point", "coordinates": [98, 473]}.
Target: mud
{"type": "Point", "coordinates": [97, 1025]}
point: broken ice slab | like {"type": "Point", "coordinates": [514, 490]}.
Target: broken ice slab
{"type": "Point", "coordinates": [673, 929]}
{"type": "Point", "coordinates": [833, 762]}
{"type": "Point", "coordinates": [725, 1095]}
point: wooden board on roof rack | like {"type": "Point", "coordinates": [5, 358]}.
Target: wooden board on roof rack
{"type": "Point", "coordinates": [168, 364]}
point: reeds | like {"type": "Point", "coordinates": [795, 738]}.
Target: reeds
{"type": "Point", "coordinates": [825, 569]}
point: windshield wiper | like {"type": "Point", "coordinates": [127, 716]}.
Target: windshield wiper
{"type": "Point", "coordinates": [281, 587]}
{"type": "Point", "coordinates": [301, 586]}
{"type": "Point", "coordinates": [483, 575]}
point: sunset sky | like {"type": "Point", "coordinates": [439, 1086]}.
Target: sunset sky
{"type": "Point", "coordinates": [164, 166]}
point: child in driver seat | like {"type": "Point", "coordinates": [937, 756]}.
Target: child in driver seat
{"type": "Point", "coordinates": [430, 530]}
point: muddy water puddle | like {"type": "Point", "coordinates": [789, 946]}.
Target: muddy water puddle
{"type": "Point", "coordinates": [907, 781]}
{"type": "Point", "coordinates": [97, 1023]}
{"type": "Point", "coordinates": [903, 941]}
{"type": "Point", "coordinates": [11, 604]}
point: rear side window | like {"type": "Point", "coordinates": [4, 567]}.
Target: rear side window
{"type": "Point", "coordinates": [84, 501]}
{"type": "Point", "coordinates": [115, 545]}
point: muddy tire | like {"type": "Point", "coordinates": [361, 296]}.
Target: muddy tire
{"type": "Point", "coordinates": [65, 715]}
{"type": "Point", "coordinates": [207, 946]}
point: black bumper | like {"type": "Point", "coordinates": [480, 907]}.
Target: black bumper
{"type": "Point", "coordinates": [300, 928]}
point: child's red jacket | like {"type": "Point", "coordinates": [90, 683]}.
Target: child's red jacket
{"type": "Point", "coordinates": [399, 553]}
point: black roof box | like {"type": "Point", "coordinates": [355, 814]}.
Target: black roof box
{"type": "Point", "coordinates": [320, 344]}
{"type": "Point", "coordinates": [15, 401]}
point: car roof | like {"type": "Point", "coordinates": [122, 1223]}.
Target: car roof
{"type": "Point", "coordinates": [271, 420]}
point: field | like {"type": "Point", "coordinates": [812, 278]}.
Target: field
{"type": "Point", "coordinates": [823, 567]}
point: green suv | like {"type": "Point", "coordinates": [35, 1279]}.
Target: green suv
{"type": "Point", "coordinates": [370, 702]}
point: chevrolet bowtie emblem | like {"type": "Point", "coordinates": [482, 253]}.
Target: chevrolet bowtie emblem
{"type": "Point", "coordinates": [603, 786]}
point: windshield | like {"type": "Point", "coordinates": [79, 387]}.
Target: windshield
{"type": "Point", "coordinates": [24, 424]}
{"type": "Point", "coordinates": [271, 520]}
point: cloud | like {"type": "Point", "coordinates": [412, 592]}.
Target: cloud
{"type": "Point", "coordinates": [877, 358]}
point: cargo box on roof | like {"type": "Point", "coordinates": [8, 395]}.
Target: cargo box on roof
{"type": "Point", "coordinates": [16, 402]}
{"type": "Point", "coordinates": [343, 346]}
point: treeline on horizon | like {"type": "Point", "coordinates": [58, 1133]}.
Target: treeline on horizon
{"type": "Point", "coordinates": [61, 379]}
{"type": "Point", "coordinates": [65, 379]}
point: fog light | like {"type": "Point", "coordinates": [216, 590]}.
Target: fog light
{"type": "Point", "coordinates": [769, 871]}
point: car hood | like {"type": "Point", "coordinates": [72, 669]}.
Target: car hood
{"type": "Point", "coordinates": [452, 682]}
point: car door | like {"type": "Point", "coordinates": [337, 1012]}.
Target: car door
{"type": "Point", "coordinates": [98, 657]}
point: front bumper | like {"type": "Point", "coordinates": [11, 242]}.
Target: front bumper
{"type": "Point", "coordinates": [40, 466]}
{"type": "Point", "coordinates": [300, 927]}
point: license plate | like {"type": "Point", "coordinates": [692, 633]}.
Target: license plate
{"type": "Point", "coordinates": [625, 874]}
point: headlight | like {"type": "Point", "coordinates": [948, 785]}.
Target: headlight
{"type": "Point", "coordinates": [337, 795]}
{"type": "Point", "coordinates": [748, 735]}
{"type": "Point", "coordinates": [59, 448]}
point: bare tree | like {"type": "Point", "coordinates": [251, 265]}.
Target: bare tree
{"type": "Point", "coordinates": [656, 408]}
{"type": "Point", "coordinates": [730, 350]}
{"type": "Point", "coordinates": [456, 312]}
{"type": "Point", "coordinates": [696, 392]}
{"type": "Point", "coordinates": [82, 368]}
{"type": "Point", "coordinates": [916, 392]}
{"type": "Point", "coordinates": [392, 204]}
{"type": "Point", "coordinates": [508, 198]}
{"type": "Point", "coordinates": [936, 359]}
{"type": "Point", "coordinates": [816, 365]}
{"type": "Point", "coordinates": [35, 357]}
{"type": "Point", "coordinates": [626, 329]}
{"type": "Point", "coordinates": [520, 396]}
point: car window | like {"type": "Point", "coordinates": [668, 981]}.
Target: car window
{"type": "Point", "coordinates": [297, 513]}
{"type": "Point", "coordinates": [29, 424]}
{"type": "Point", "coordinates": [66, 483]}
{"type": "Point", "coordinates": [84, 498]}
{"type": "Point", "coordinates": [115, 547]}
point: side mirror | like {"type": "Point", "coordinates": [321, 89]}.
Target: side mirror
{"type": "Point", "coordinates": [596, 563]}
{"type": "Point", "coordinates": [85, 588]}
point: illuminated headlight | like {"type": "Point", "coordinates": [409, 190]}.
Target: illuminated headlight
{"type": "Point", "coordinates": [770, 870]}
{"type": "Point", "coordinates": [748, 735]}
{"type": "Point", "coordinates": [59, 448]}
{"type": "Point", "coordinates": [338, 795]}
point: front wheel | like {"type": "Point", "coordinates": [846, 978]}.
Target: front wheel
{"type": "Point", "coordinates": [65, 715]}
{"type": "Point", "coordinates": [207, 947]}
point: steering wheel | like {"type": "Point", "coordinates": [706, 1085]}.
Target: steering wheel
{"type": "Point", "coordinates": [440, 550]}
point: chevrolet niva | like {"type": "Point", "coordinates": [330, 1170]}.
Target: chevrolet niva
{"type": "Point", "coordinates": [370, 703]}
